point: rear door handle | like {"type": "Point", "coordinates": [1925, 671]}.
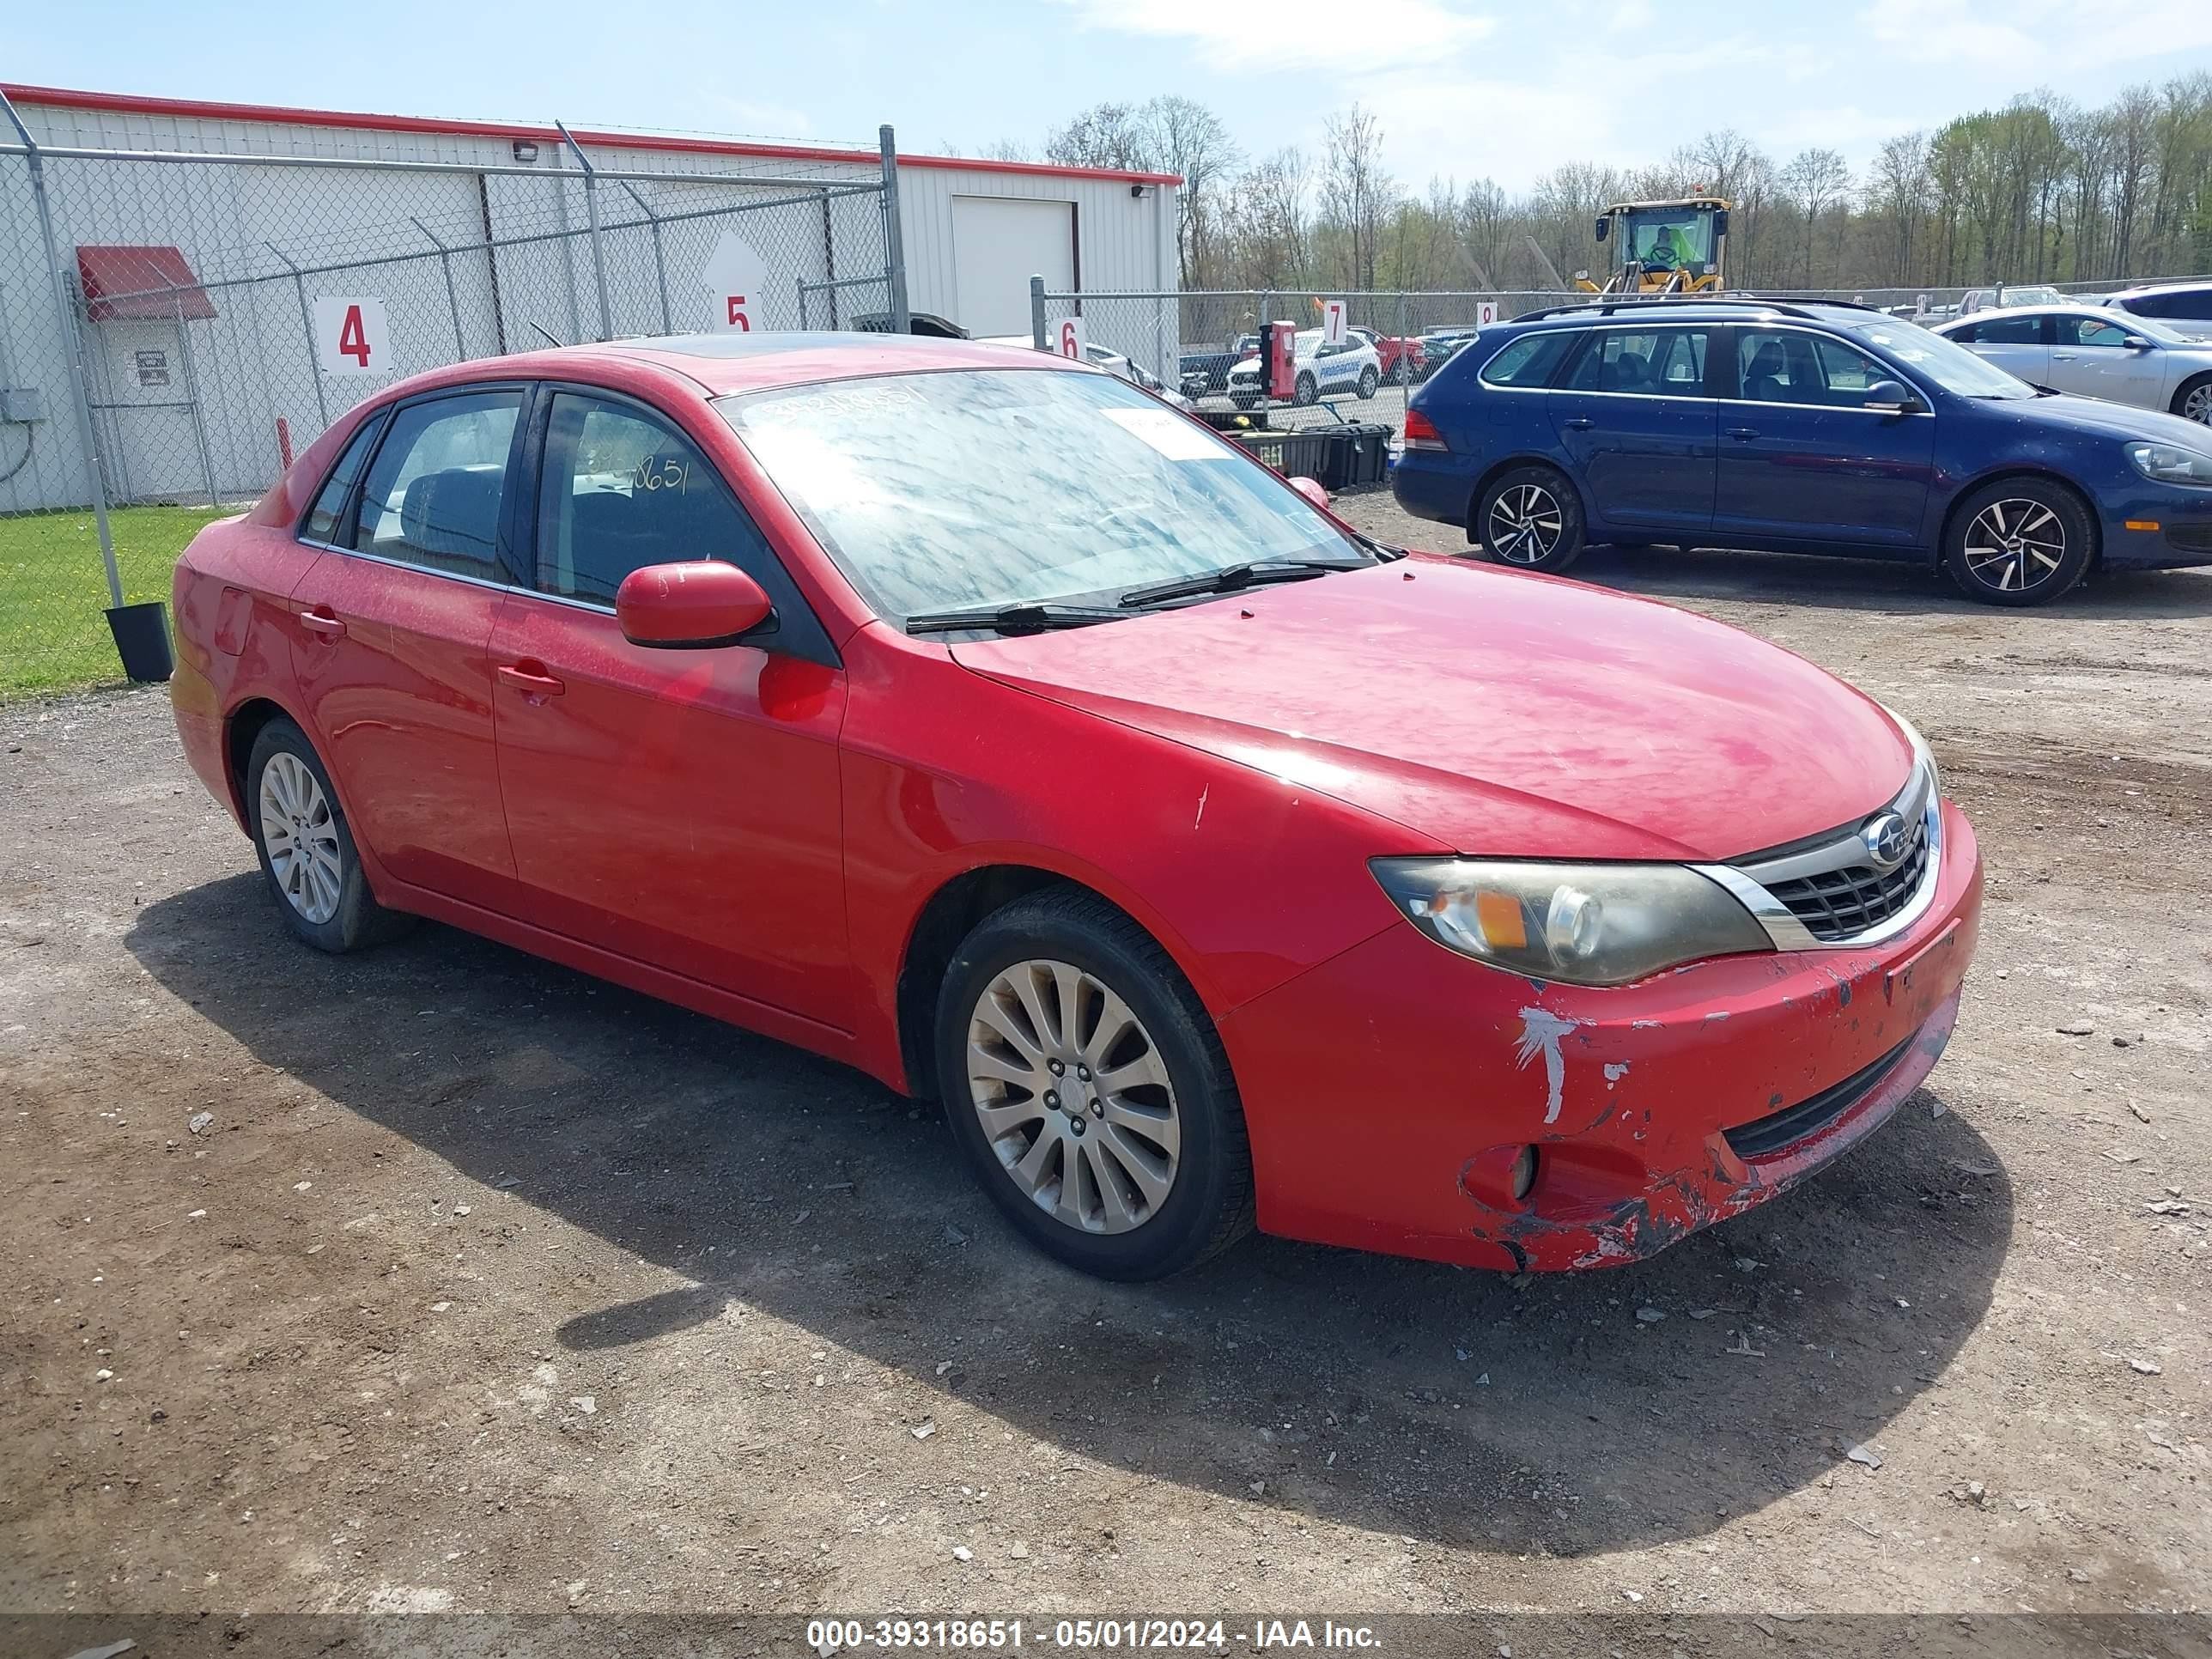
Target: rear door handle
{"type": "Point", "coordinates": [1578, 423]}
{"type": "Point", "coordinates": [322, 621]}
{"type": "Point", "coordinates": [1743, 435]}
{"type": "Point", "coordinates": [530, 678]}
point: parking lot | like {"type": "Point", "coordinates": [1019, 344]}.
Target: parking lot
{"type": "Point", "coordinates": [442, 1277]}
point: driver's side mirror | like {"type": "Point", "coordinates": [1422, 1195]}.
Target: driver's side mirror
{"type": "Point", "coordinates": [1311, 490]}
{"type": "Point", "coordinates": [1603, 229]}
{"type": "Point", "coordinates": [690, 606]}
{"type": "Point", "coordinates": [1893, 398]}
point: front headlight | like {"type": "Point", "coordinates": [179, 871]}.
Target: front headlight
{"type": "Point", "coordinates": [1586, 924]}
{"type": "Point", "coordinates": [2172, 464]}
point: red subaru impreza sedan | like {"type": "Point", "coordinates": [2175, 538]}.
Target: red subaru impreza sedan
{"type": "Point", "coordinates": [974, 718]}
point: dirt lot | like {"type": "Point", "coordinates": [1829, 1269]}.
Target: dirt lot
{"type": "Point", "coordinates": [483, 1285]}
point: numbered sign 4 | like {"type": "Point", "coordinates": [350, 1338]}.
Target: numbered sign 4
{"type": "Point", "coordinates": [352, 336]}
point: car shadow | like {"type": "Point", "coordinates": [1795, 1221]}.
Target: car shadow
{"type": "Point", "coordinates": [1552, 1414]}
{"type": "Point", "coordinates": [1878, 585]}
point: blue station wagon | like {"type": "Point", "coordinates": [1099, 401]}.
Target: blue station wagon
{"type": "Point", "coordinates": [1805, 429]}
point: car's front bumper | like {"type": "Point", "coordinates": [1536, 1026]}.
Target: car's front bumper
{"type": "Point", "coordinates": [1389, 1090]}
{"type": "Point", "coordinates": [2157, 526]}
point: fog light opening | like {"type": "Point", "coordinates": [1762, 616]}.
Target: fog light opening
{"type": "Point", "coordinates": [1524, 1173]}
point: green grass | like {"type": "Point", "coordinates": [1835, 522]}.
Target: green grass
{"type": "Point", "coordinates": [53, 589]}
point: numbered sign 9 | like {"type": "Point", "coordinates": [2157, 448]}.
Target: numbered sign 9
{"type": "Point", "coordinates": [1331, 322]}
{"type": "Point", "coordinates": [351, 336]}
{"type": "Point", "coordinates": [1067, 338]}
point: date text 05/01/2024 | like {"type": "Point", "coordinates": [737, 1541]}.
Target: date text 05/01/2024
{"type": "Point", "coordinates": [1085, 1635]}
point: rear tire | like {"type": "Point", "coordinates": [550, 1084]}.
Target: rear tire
{"type": "Point", "coordinates": [1306, 392]}
{"type": "Point", "coordinates": [2019, 542]}
{"type": "Point", "coordinates": [307, 849]}
{"type": "Point", "coordinates": [1531, 519]}
{"type": "Point", "coordinates": [1056, 979]}
{"type": "Point", "coordinates": [1367, 383]}
{"type": "Point", "coordinates": [2193, 401]}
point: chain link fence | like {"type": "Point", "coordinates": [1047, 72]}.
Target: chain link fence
{"type": "Point", "coordinates": [1195, 342]}
{"type": "Point", "coordinates": [174, 327]}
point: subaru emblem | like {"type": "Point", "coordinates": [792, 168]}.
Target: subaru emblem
{"type": "Point", "coordinates": [1884, 837]}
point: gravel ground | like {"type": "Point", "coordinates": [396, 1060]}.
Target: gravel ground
{"type": "Point", "coordinates": [442, 1278]}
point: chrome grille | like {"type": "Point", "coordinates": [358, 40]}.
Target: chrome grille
{"type": "Point", "coordinates": [1840, 904]}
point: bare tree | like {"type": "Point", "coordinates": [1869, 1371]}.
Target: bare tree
{"type": "Point", "coordinates": [1354, 187]}
{"type": "Point", "coordinates": [1107, 135]}
{"type": "Point", "coordinates": [1189, 139]}
{"type": "Point", "coordinates": [1815, 180]}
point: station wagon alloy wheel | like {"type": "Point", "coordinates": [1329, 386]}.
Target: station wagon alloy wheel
{"type": "Point", "coordinates": [302, 837]}
{"type": "Point", "coordinates": [2015, 545]}
{"type": "Point", "coordinates": [1524, 525]}
{"type": "Point", "coordinates": [1073, 1096]}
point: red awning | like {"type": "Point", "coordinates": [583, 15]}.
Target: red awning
{"type": "Point", "coordinates": [140, 284]}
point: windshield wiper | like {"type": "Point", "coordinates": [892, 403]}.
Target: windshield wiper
{"type": "Point", "coordinates": [1230, 578]}
{"type": "Point", "coordinates": [1027, 618]}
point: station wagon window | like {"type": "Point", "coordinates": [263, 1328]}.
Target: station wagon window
{"type": "Point", "coordinates": [435, 490]}
{"type": "Point", "coordinates": [1660, 361]}
{"type": "Point", "coordinates": [327, 518]}
{"type": "Point", "coordinates": [1528, 361]}
{"type": "Point", "coordinates": [1782, 366]}
{"type": "Point", "coordinates": [620, 490]}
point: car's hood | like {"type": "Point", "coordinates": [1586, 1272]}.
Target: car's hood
{"type": "Point", "coordinates": [1495, 712]}
{"type": "Point", "coordinates": [2096, 417]}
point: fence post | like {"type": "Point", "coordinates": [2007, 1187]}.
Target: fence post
{"type": "Point", "coordinates": [192, 395]}
{"type": "Point", "coordinates": [453, 298]}
{"type": "Point", "coordinates": [308, 334]}
{"type": "Point", "coordinates": [73, 348]}
{"type": "Point", "coordinates": [660, 264]}
{"type": "Point", "coordinates": [894, 246]}
{"type": "Point", "coordinates": [592, 215]}
{"type": "Point", "coordinates": [1036, 315]}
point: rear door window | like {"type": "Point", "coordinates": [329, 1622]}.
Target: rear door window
{"type": "Point", "coordinates": [1657, 362]}
{"type": "Point", "coordinates": [2005, 331]}
{"type": "Point", "coordinates": [436, 488]}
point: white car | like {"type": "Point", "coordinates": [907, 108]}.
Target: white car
{"type": "Point", "coordinates": [2094, 352]}
{"type": "Point", "coordinates": [1136, 373]}
{"type": "Point", "coordinates": [2182, 307]}
{"type": "Point", "coordinates": [1322, 371]}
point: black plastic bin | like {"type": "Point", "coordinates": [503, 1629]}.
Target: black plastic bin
{"type": "Point", "coordinates": [142, 640]}
{"type": "Point", "coordinates": [1367, 459]}
{"type": "Point", "coordinates": [1303, 454]}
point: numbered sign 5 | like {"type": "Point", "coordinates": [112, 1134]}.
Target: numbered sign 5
{"type": "Point", "coordinates": [736, 278]}
{"type": "Point", "coordinates": [1331, 322]}
{"type": "Point", "coordinates": [1068, 341]}
{"type": "Point", "coordinates": [352, 336]}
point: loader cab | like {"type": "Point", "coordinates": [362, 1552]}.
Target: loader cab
{"type": "Point", "coordinates": [1663, 247]}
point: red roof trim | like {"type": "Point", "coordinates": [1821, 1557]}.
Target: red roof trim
{"type": "Point", "coordinates": [200, 109]}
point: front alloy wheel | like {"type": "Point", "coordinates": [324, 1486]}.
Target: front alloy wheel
{"type": "Point", "coordinates": [1072, 1097]}
{"type": "Point", "coordinates": [2195, 402]}
{"type": "Point", "coordinates": [2019, 541]}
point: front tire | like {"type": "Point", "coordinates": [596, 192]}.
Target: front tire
{"type": "Point", "coordinates": [2019, 542]}
{"type": "Point", "coordinates": [1306, 391]}
{"type": "Point", "coordinates": [1531, 519]}
{"type": "Point", "coordinates": [1086, 1085]}
{"type": "Point", "coordinates": [306, 846]}
{"type": "Point", "coordinates": [1367, 384]}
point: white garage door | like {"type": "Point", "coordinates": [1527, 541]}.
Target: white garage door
{"type": "Point", "coordinates": [999, 243]}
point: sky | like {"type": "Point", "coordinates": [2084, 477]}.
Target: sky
{"type": "Point", "coordinates": [1463, 89]}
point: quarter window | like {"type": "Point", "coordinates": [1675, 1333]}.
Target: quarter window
{"type": "Point", "coordinates": [435, 488]}
{"type": "Point", "coordinates": [1526, 362]}
{"type": "Point", "coordinates": [620, 491]}
{"type": "Point", "coordinates": [1664, 362]}
{"type": "Point", "coordinates": [327, 518]}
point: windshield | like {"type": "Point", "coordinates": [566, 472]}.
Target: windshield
{"type": "Point", "coordinates": [1945, 362]}
{"type": "Point", "coordinates": [1669, 238]}
{"type": "Point", "coordinates": [991, 487]}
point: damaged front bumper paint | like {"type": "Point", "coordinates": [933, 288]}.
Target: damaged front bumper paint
{"type": "Point", "coordinates": [1390, 1090]}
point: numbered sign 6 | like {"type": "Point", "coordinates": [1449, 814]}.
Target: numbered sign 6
{"type": "Point", "coordinates": [1068, 339]}
{"type": "Point", "coordinates": [352, 336]}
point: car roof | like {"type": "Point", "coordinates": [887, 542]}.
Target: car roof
{"type": "Point", "coordinates": [2161, 288]}
{"type": "Point", "coordinates": [1836, 312]}
{"type": "Point", "coordinates": [2057, 308]}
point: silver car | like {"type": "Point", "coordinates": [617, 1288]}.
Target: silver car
{"type": "Point", "coordinates": [2183, 307]}
{"type": "Point", "coordinates": [2095, 353]}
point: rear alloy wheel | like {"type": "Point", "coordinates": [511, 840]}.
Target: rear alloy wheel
{"type": "Point", "coordinates": [1530, 519]}
{"type": "Point", "coordinates": [2019, 542]}
{"type": "Point", "coordinates": [1086, 1085]}
{"type": "Point", "coordinates": [1305, 392]}
{"type": "Point", "coordinates": [1367, 383]}
{"type": "Point", "coordinates": [2194, 401]}
{"type": "Point", "coordinates": [306, 846]}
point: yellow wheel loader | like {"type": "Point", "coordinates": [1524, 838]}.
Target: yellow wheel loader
{"type": "Point", "coordinates": [1663, 247]}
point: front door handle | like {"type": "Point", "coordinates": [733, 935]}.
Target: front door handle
{"type": "Point", "coordinates": [1578, 423]}
{"type": "Point", "coordinates": [2062, 356]}
{"type": "Point", "coordinates": [323, 620]}
{"type": "Point", "coordinates": [1743, 435]}
{"type": "Point", "coordinates": [530, 678]}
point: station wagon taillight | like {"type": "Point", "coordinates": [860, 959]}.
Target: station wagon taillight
{"type": "Point", "coordinates": [1421, 433]}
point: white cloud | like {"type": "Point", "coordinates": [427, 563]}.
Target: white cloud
{"type": "Point", "coordinates": [2038, 36]}
{"type": "Point", "coordinates": [1297, 35]}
